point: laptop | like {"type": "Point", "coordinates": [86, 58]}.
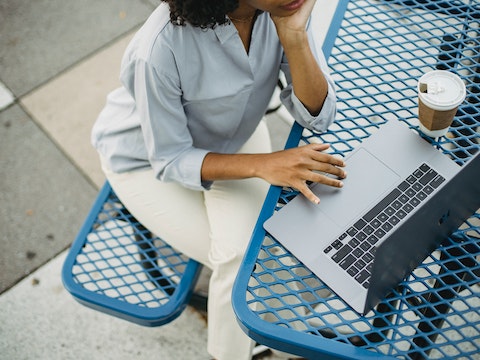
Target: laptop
{"type": "Point", "coordinates": [400, 199]}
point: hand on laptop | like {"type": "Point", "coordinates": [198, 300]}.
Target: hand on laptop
{"type": "Point", "coordinates": [295, 167]}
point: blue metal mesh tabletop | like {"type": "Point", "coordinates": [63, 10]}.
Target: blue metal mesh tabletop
{"type": "Point", "coordinates": [377, 51]}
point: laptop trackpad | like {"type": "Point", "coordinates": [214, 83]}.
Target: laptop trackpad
{"type": "Point", "coordinates": [368, 180]}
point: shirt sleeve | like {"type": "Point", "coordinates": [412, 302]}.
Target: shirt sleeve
{"type": "Point", "coordinates": [327, 114]}
{"type": "Point", "coordinates": [164, 127]}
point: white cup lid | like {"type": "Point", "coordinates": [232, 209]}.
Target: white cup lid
{"type": "Point", "coordinates": [441, 90]}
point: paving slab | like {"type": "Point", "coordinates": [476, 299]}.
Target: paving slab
{"type": "Point", "coordinates": [44, 197]}
{"type": "Point", "coordinates": [39, 39]}
{"type": "Point", "coordinates": [40, 320]}
{"type": "Point", "coordinates": [67, 106]}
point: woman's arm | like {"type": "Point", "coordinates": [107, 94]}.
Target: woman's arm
{"type": "Point", "coordinates": [309, 83]}
{"type": "Point", "coordinates": [293, 167]}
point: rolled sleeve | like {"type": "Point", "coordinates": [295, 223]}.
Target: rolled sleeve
{"type": "Point", "coordinates": [186, 169]}
{"type": "Point", "coordinates": [319, 122]}
{"type": "Point", "coordinates": [327, 114]}
{"type": "Point", "coordinates": [163, 122]}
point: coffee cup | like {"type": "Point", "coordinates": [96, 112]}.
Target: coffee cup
{"type": "Point", "coordinates": [440, 92]}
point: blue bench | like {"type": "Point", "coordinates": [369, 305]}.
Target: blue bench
{"type": "Point", "coordinates": [116, 266]}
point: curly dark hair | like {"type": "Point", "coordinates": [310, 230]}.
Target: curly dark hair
{"type": "Point", "coordinates": [200, 13]}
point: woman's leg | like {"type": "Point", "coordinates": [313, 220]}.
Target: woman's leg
{"type": "Point", "coordinates": [212, 227]}
{"type": "Point", "coordinates": [170, 211]}
{"type": "Point", "coordinates": [232, 208]}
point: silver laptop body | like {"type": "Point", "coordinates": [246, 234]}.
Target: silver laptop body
{"type": "Point", "coordinates": [401, 198]}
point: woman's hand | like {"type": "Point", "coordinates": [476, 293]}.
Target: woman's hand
{"type": "Point", "coordinates": [290, 27]}
{"type": "Point", "coordinates": [294, 167]}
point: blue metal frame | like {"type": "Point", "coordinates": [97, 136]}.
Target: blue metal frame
{"type": "Point", "coordinates": [377, 50]}
{"type": "Point", "coordinates": [125, 279]}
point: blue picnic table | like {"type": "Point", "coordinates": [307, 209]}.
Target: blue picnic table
{"type": "Point", "coordinates": [377, 50]}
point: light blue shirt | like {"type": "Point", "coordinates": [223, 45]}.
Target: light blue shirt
{"type": "Point", "coordinates": [189, 91]}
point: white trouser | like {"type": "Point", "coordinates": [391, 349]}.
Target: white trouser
{"type": "Point", "coordinates": [212, 227]}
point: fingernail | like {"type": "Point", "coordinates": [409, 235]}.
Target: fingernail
{"type": "Point", "coordinates": [340, 184]}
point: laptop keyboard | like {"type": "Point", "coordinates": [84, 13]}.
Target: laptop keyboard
{"type": "Point", "coordinates": [354, 250]}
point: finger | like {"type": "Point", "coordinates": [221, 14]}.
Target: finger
{"type": "Point", "coordinates": [321, 156]}
{"type": "Point", "coordinates": [308, 6]}
{"type": "Point", "coordinates": [325, 168]}
{"type": "Point", "coordinates": [318, 146]}
{"type": "Point", "coordinates": [328, 159]}
{"type": "Point", "coordinates": [327, 180]}
{"type": "Point", "coordinates": [308, 193]}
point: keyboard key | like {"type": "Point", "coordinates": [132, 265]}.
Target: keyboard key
{"type": "Point", "coordinates": [352, 231]}
{"type": "Point", "coordinates": [365, 246]}
{"type": "Point", "coordinates": [410, 193]}
{"type": "Point", "coordinates": [375, 223]}
{"type": "Point", "coordinates": [396, 204]}
{"type": "Point", "coordinates": [411, 179]}
{"type": "Point", "coordinates": [408, 208]}
{"type": "Point", "coordinates": [414, 202]}
{"type": "Point", "coordinates": [380, 233]}
{"type": "Point", "coordinates": [437, 181]}
{"type": "Point", "coordinates": [360, 224]}
{"type": "Point", "coordinates": [337, 244]}
{"type": "Point", "coordinates": [373, 239]}
{"type": "Point", "coordinates": [340, 254]}
{"type": "Point", "coordinates": [382, 217]}
{"type": "Point", "coordinates": [403, 186]}
{"type": "Point", "coordinates": [368, 258]}
{"type": "Point", "coordinates": [394, 220]}
{"type": "Point", "coordinates": [352, 271]}
{"type": "Point", "coordinates": [401, 214]}
{"type": "Point", "coordinates": [428, 189]}
{"type": "Point", "coordinates": [387, 227]}
{"type": "Point", "coordinates": [343, 236]}
{"type": "Point", "coordinates": [425, 179]}
{"type": "Point", "coordinates": [421, 196]}
{"type": "Point", "coordinates": [424, 167]}
{"type": "Point", "coordinates": [390, 211]}
{"type": "Point", "coordinates": [362, 276]}
{"type": "Point", "coordinates": [361, 236]}
{"type": "Point", "coordinates": [403, 198]}
{"type": "Point", "coordinates": [360, 264]}
{"type": "Point", "coordinates": [353, 243]}
{"type": "Point", "coordinates": [347, 261]}
{"type": "Point", "coordinates": [418, 173]}
{"type": "Point", "coordinates": [327, 249]}
{"type": "Point", "coordinates": [417, 186]}
{"type": "Point", "coordinates": [357, 252]}
{"type": "Point", "coordinates": [368, 229]}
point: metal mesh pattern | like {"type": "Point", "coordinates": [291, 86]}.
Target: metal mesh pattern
{"type": "Point", "coordinates": [116, 258]}
{"type": "Point", "coordinates": [117, 266]}
{"type": "Point", "coordinates": [382, 49]}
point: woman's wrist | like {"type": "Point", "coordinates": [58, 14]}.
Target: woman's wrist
{"type": "Point", "coordinates": [293, 40]}
{"type": "Point", "coordinates": [232, 166]}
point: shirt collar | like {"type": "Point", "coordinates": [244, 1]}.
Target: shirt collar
{"type": "Point", "coordinates": [225, 32]}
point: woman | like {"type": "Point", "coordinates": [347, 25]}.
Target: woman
{"type": "Point", "coordinates": [182, 142]}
